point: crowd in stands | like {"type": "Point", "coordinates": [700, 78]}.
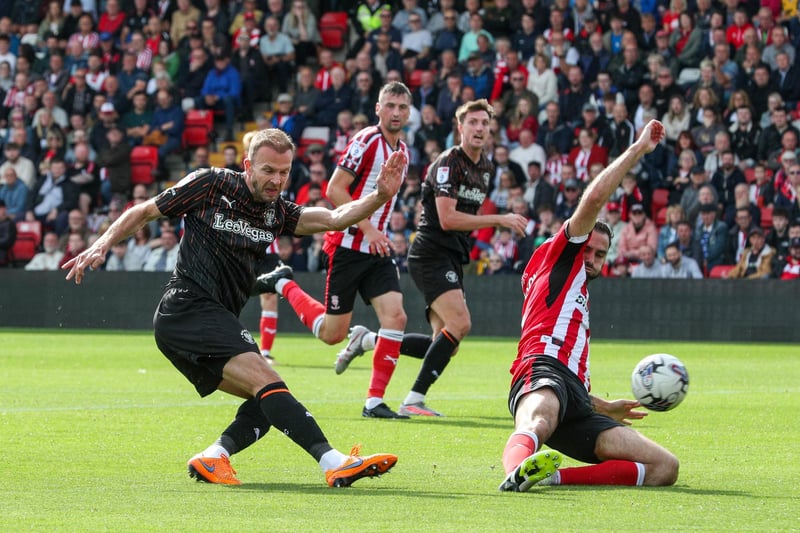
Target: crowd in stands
{"type": "Point", "coordinates": [572, 82]}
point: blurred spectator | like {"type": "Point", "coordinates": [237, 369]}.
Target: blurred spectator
{"type": "Point", "coordinates": [231, 158]}
{"type": "Point", "coordinates": [136, 18]}
{"type": "Point", "coordinates": [109, 53]}
{"type": "Point", "coordinates": [679, 266]}
{"type": "Point", "coordinates": [192, 79]}
{"type": "Point", "coordinates": [53, 196]}
{"type": "Point", "coordinates": [250, 32]}
{"type": "Point", "coordinates": [501, 193]}
{"type": "Point", "coordinates": [587, 153]}
{"type": "Point", "coordinates": [24, 168]}
{"type": "Point", "coordinates": [163, 258]}
{"type": "Point", "coordinates": [528, 151]}
{"type": "Point", "coordinates": [307, 93]}
{"type": "Point", "coordinates": [78, 96]}
{"type": "Point", "coordinates": [119, 260]}
{"type": "Point", "coordinates": [778, 235]}
{"type": "Point", "coordinates": [114, 161]}
{"type": "Point", "coordinates": [168, 120]}
{"type": "Point", "coordinates": [772, 134]}
{"type": "Point", "coordinates": [686, 241]}
{"type": "Point", "coordinates": [566, 205]}
{"type": "Point", "coordinates": [96, 72]}
{"type": "Point", "coordinates": [139, 249]}
{"type": "Point", "coordinates": [554, 134]}
{"type": "Point", "coordinates": [200, 158]}
{"type": "Point", "coordinates": [726, 178]}
{"type": "Point", "coordinates": [711, 238]}
{"type": "Point", "coordinates": [278, 52]}
{"type": "Point", "coordinates": [222, 91]}
{"type": "Point", "coordinates": [318, 177]}
{"type": "Point", "coordinates": [340, 136]}
{"type": "Point", "coordinates": [365, 95]}
{"type": "Point", "coordinates": [333, 100]}
{"type": "Point", "coordinates": [786, 79]}
{"type": "Point", "coordinates": [214, 41]}
{"type": "Point", "coordinates": [76, 223]}
{"type": "Point", "coordinates": [84, 173]}
{"type": "Point", "coordinates": [300, 25]}
{"type": "Point", "coordinates": [14, 193]}
{"type": "Point", "coordinates": [8, 234]}
{"type": "Point", "coordinates": [638, 232]}
{"type": "Point", "coordinates": [502, 162]}
{"type": "Point", "coordinates": [252, 72]}
{"type": "Point", "coordinates": [573, 96]}
{"type": "Point", "coordinates": [50, 258]}
{"type": "Point", "coordinates": [648, 267]}
{"type": "Point", "coordinates": [522, 118]}
{"type": "Point", "coordinates": [788, 268]}
{"type": "Point", "coordinates": [738, 236]}
{"type": "Point", "coordinates": [136, 122]}
{"type": "Point", "coordinates": [137, 46]}
{"type": "Point", "coordinates": [182, 17]}
{"type": "Point", "coordinates": [496, 265]}
{"type": "Point", "coordinates": [132, 79]}
{"type": "Point", "coordinates": [756, 260]}
{"type": "Point", "coordinates": [449, 99]}
{"type": "Point", "coordinates": [669, 231]}
{"type": "Point", "coordinates": [787, 196]}
{"type": "Point", "coordinates": [741, 196]}
{"type": "Point", "coordinates": [99, 134]}
{"type": "Point", "coordinates": [745, 135]}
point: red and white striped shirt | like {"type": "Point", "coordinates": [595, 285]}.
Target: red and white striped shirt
{"type": "Point", "coordinates": [555, 311]}
{"type": "Point", "coordinates": [366, 152]}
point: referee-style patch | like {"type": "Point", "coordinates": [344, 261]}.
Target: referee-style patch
{"type": "Point", "coordinates": [442, 175]}
{"type": "Point", "coordinates": [247, 337]}
{"type": "Point", "coordinates": [451, 276]}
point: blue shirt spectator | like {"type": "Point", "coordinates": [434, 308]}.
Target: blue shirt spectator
{"type": "Point", "coordinates": [14, 193]}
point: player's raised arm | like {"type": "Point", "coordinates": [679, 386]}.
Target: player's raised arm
{"type": "Point", "coordinates": [603, 186]}
{"type": "Point", "coordinates": [316, 219]}
{"type": "Point", "coordinates": [125, 226]}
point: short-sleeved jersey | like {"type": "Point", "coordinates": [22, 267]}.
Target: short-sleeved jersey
{"type": "Point", "coordinates": [453, 175]}
{"type": "Point", "coordinates": [555, 310]}
{"type": "Point", "coordinates": [366, 152]}
{"type": "Point", "coordinates": [226, 232]}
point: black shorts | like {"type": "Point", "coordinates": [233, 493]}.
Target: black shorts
{"type": "Point", "coordinates": [198, 335]}
{"type": "Point", "coordinates": [578, 425]}
{"type": "Point", "coordinates": [436, 275]}
{"type": "Point", "coordinates": [352, 272]}
{"type": "Point", "coordinates": [269, 263]}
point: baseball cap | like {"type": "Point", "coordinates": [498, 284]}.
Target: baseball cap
{"type": "Point", "coordinates": [284, 97]}
{"type": "Point", "coordinates": [612, 206]}
{"type": "Point", "coordinates": [662, 33]}
{"type": "Point", "coordinates": [249, 16]}
{"type": "Point", "coordinates": [588, 106]}
{"type": "Point", "coordinates": [106, 36]}
{"type": "Point", "coordinates": [591, 17]}
{"type": "Point", "coordinates": [698, 169]}
{"type": "Point", "coordinates": [755, 231]}
{"type": "Point", "coordinates": [572, 183]}
{"type": "Point", "coordinates": [316, 148]}
{"type": "Point", "coordinates": [107, 107]}
{"type": "Point", "coordinates": [474, 55]}
{"type": "Point", "coordinates": [708, 208]}
{"type": "Point", "coordinates": [637, 208]}
{"type": "Point", "coordinates": [794, 243]}
{"type": "Point", "coordinates": [788, 155]}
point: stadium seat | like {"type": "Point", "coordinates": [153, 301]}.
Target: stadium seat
{"type": "Point", "coordinates": [766, 217]}
{"type": "Point", "coordinates": [144, 160]}
{"type": "Point", "coordinates": [29, 235]}
{"type": "Point", "coordinates": [334, 30]}
{"type": "Point", "coordinates": [660, 199]}
{"type": "Point", "coordinates": [198, 125]}
{"type": "Point", "coordinates": [720, 271]}
{"type": "Point", "coordinates": [661, 217]}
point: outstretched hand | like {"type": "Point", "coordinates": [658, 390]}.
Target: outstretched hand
{"type": "Point", "coordinates": [391, 176]}
{"type": "Point", "coordinates": [652, 134]}
{"type": "Point", "coordinates": [623, 411]}
{"type": "Point", "coordinates": [90, 258]}
{"type": "Point", "coordinates": [517, 223]}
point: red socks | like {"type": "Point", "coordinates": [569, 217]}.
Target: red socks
{"type": "Point", "coordinates": [384, 361]}
{"type": "Point", "coordinates": [519, 446]}
{"type": "Point", "coordinates": [606, 473]}
{"type": "Point", "coordinates": [307, 308]}
{"type": "Point", "coordinates": [268, 327]}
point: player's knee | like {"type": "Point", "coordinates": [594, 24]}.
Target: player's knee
{"type": "Point", "coordinates": [664, 472]}
{"type": "Point", "coordinates": [395, 319]}
{"type": "Point", "coordinates": [460, 327]}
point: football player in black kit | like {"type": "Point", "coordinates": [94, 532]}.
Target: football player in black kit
{"type": "Point", "coordinates": [452, 194]}
{"type": "Point", "coordinates": [230, 218]}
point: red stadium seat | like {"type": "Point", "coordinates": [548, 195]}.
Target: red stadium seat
{"type": "Point", "coordinates": [660, 199]}
{"type": "Point", "coordinates": [661, 217]}
{"type": "Point", "coordinates": [29, 235]}
{"type": "Point", "coordinates": [720, 271]}
{"type": "Point", "coordinates": [198, 125]}
{"type": "Point", "coordinates": [144, 160]}
{"type": "Point", "coordinates": [414, 79]}
{"type": "Point", "coordinates": [334, 30]}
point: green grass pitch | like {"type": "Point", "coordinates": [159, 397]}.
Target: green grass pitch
{"type": "Point", "coordinates": [96, 428]}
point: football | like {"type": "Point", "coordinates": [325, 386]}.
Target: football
{"type": "Point", "coordinates": [660, 382]}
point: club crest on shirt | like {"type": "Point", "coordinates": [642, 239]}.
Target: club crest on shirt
{"type": "Point", "coordinates": [334, 302]}
{"type": "Point", "coordinates": [486, 178]}
{"type": "Point", "coordinates": [451, 276]}
{"type": "Point", "coordinates": [356, 150]}
{"type": "Point", "coordinates": [442, 175]}
{"type": "Point", "coordinates": [247, 337]}
{"type": "Point", "coordinates": [269, 217]}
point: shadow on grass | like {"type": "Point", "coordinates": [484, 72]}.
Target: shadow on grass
{"type": "Point", "coordinates": [362, 489]}
{"type": "Point", "coordinates": [678, 489]}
